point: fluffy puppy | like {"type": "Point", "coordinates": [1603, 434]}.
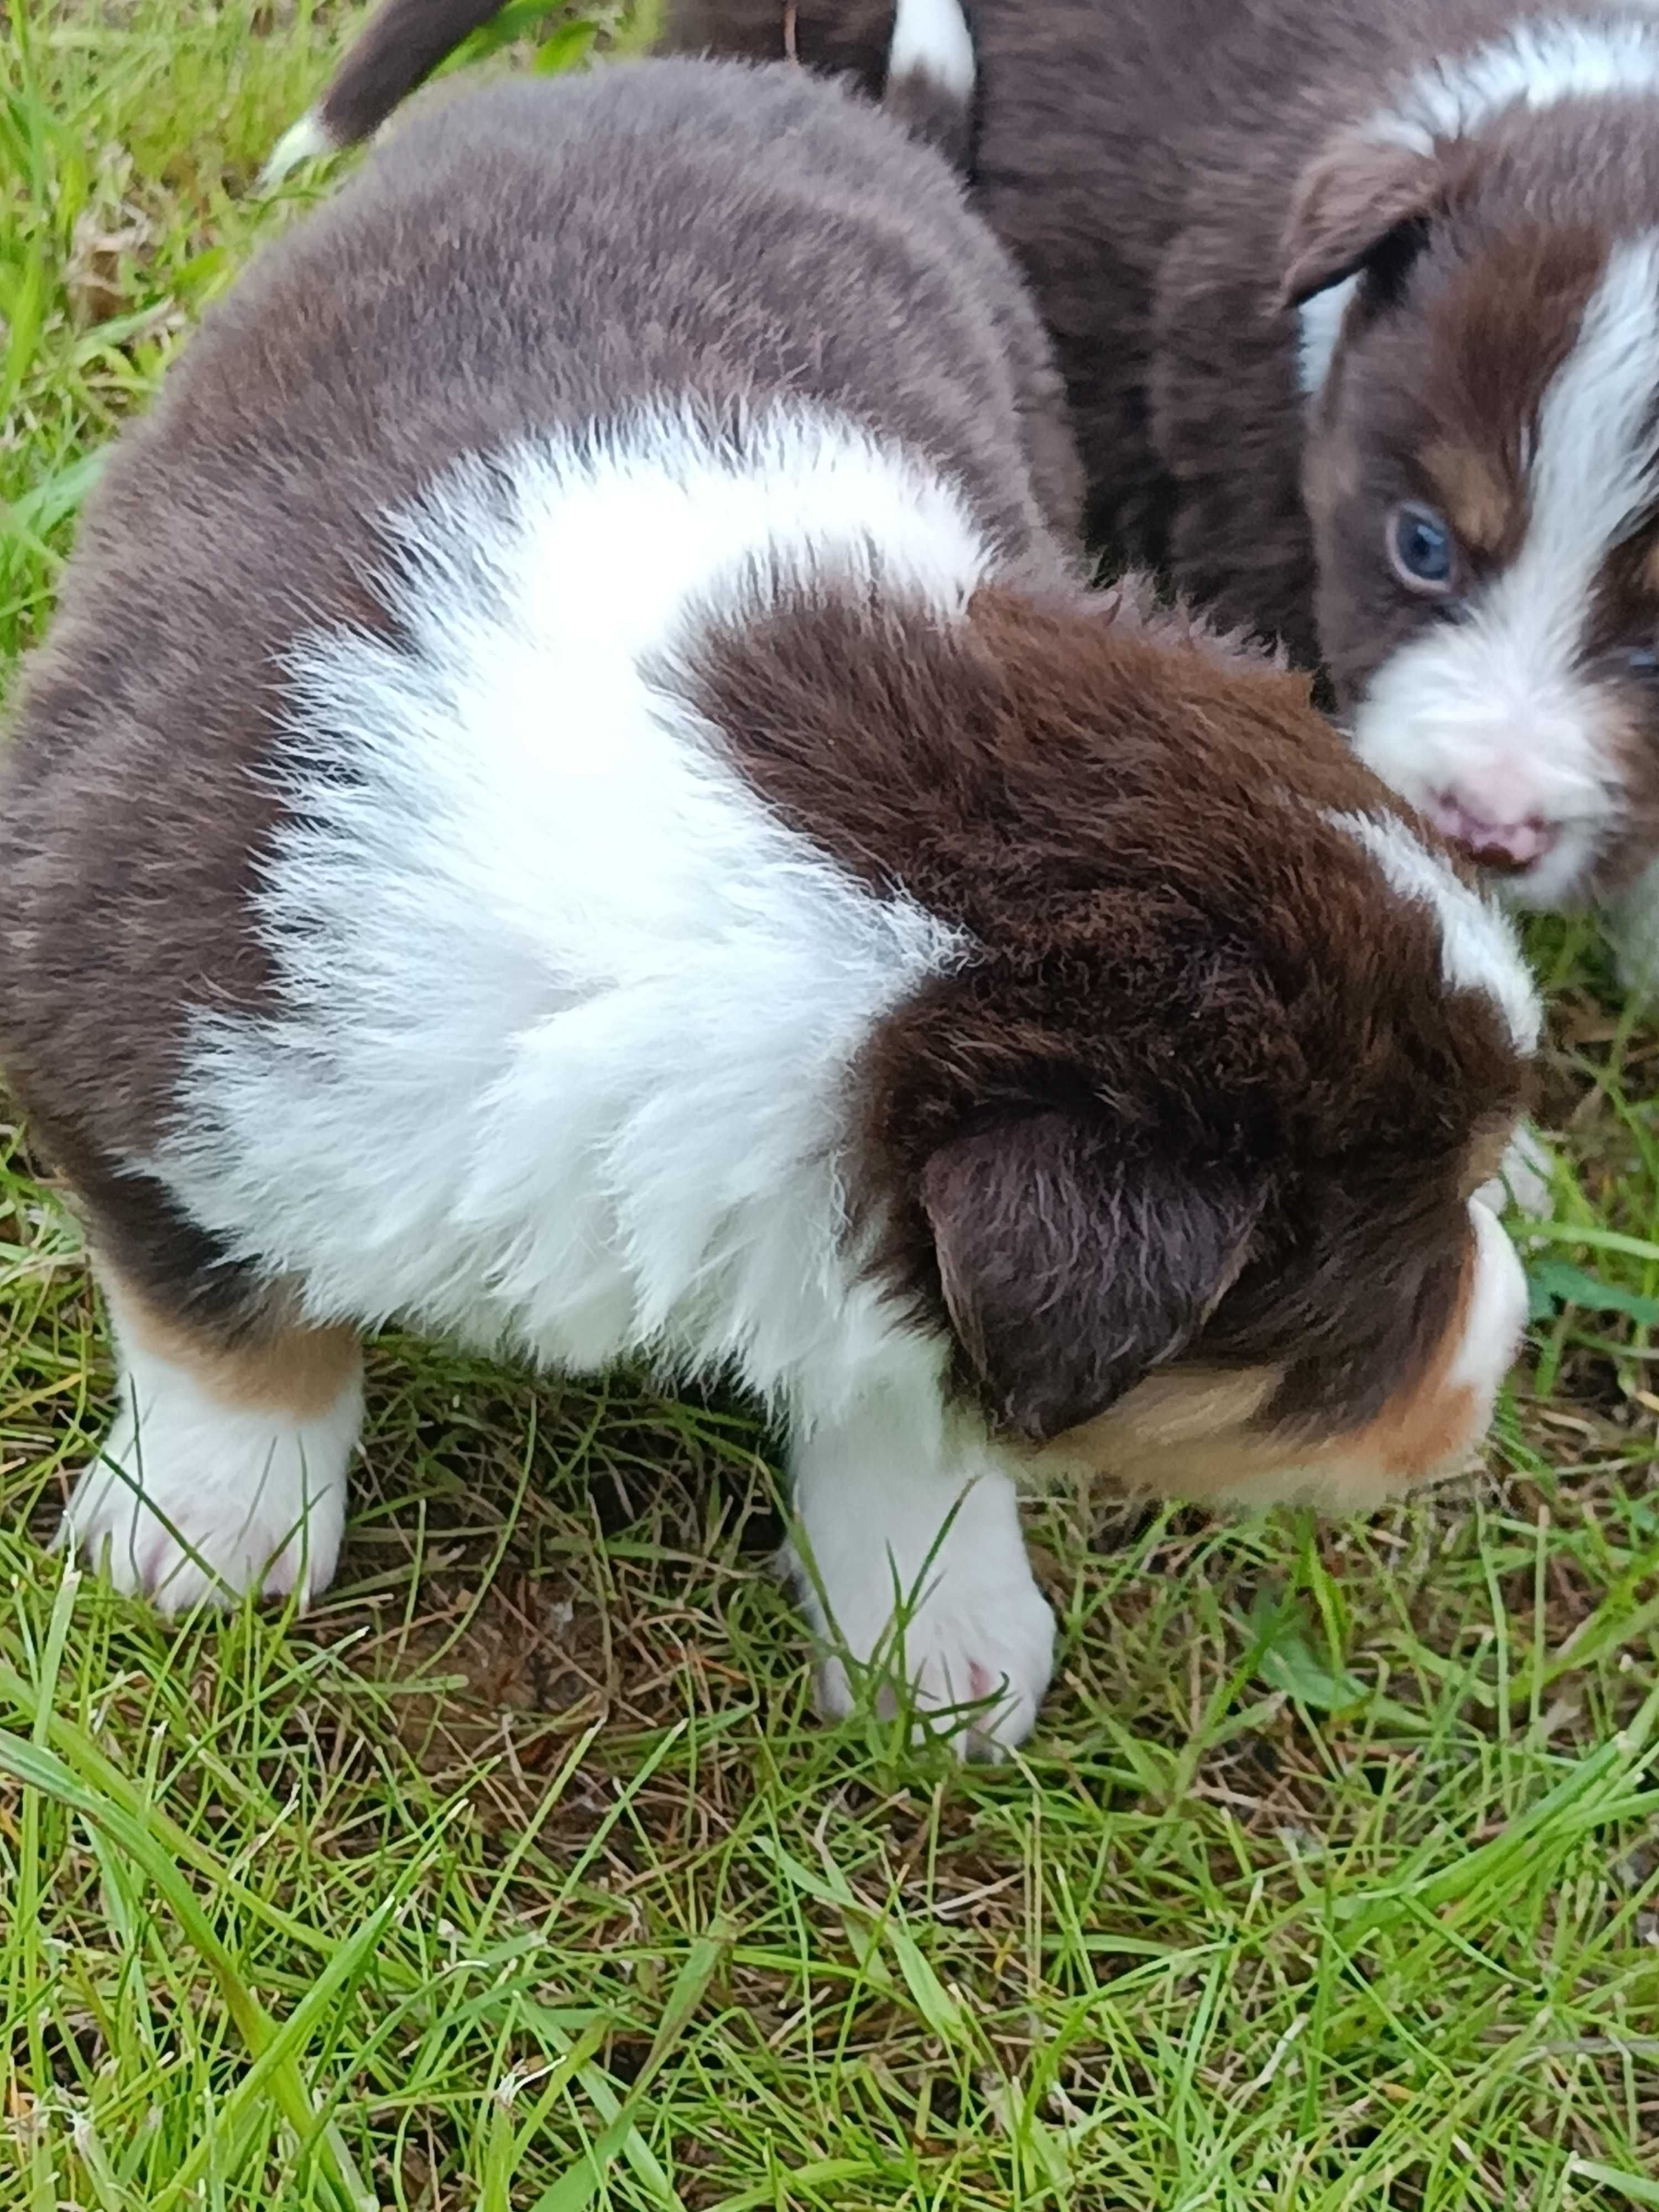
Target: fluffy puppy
{"type": "Point", "coordinates": [616, 832]}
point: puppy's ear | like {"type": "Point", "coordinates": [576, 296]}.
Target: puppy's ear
{"type": "Point", "coordinates": [1362, 206]}
{"type": "Point", "coordinates": [1066, 1273]}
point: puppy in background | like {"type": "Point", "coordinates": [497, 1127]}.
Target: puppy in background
{"type": "Point", "coordinates": [1358, 307]}
{"type": "Point", "coordinates": [623, 836]}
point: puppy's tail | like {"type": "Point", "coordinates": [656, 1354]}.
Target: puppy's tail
{"type": "Point", "coordinates": [929, 85]}
{"type": "Point", "coordinates": [398, 48]}
{"type": "Point", "coordinates": [931, 75]}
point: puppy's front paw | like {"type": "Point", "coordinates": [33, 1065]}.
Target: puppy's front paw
{"type": "Point", "coordinates": [184, 1511]}
{"type": "Point", "coordinates": [973, 1639]}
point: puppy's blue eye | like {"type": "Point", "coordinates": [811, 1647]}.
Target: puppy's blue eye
{"type": "Point", "coordinates": [1421, 550]}
{"type": "Point", "coordinates": [1644, 661]}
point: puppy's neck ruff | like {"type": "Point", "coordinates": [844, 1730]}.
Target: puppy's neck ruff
{"type": "Point", "coordinates": [564, 1013]}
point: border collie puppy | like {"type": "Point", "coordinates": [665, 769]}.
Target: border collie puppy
{"type": "Point", "coordinates": [576, 800]}
{"type": "Point", "coordinates": [1357, 305]}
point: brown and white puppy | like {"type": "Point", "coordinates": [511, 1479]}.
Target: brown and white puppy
{"type": "Point", "coordinates": [615, 832]}
{"type": "Point", "coordinates": [1357, 305]}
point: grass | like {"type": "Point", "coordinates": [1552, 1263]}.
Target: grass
{"type": "Point", "coordinates": [519, 1873]}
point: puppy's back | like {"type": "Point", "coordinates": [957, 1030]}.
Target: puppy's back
{"type": "Point", "coordinates": [535, 257]}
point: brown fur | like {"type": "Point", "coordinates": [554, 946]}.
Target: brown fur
{"type": "Point", "coordinates": [1439, 404]}
{"type": "Point", "coordinates": [404, 41]}
{"type": "Point", "coordinates": [398, 48]}
{"type": "Point", "coordinates": [1485, 506]}
{"type": "Point", "coordinates": [1183, 1014]}
{"type": "Point", "coordinates": [1347, 204]}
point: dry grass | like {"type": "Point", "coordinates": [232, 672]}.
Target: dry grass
{"type": "Point", "coordinates": [520, 1875]}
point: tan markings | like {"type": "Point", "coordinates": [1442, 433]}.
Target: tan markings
{"type": "Point", "coordinates": [1192, 1434]}
{"type": "Point", "coordinates": [287, 1369]}
{"type": "Point", "coordinates": [1483, 507]}
{"type": "Point", "coordinates": [1418, 1431]}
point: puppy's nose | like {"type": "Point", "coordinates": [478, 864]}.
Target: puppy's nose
{"type": "Point", "coordinates": [1506, 846]}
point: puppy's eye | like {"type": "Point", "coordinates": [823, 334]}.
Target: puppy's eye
{"type": "Point", "coordinates": [1644, 661]}
{"type": "Point", "coordinates": [1421, 550]}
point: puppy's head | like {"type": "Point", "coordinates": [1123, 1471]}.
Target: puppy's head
{"type": "Point", "coordinates": [1478, 291]}
{"type": "Point", "coordinates": [1184, 1156]}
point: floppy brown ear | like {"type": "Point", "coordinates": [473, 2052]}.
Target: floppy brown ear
{"type": "Point", "coordinates": [1362, 204]}
{"type": "Point", "coordinates": [1067, 1274]}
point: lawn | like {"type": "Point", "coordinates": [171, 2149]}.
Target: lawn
{"type": "Point", "coordinates": [519, 1875]}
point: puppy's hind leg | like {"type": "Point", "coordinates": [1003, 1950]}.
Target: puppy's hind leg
{"type": "Point", "coordinates": [225, 1470]}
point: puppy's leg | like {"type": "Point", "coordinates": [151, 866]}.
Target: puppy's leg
{"type": "Point", "coordinates": [225, 1470]}
{"type": "Point", "coordinates": [914, 1553]}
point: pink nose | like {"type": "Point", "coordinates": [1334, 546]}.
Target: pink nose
{"type": "Point", "coordinates": [1506, 846]}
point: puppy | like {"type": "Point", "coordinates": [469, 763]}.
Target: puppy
{"type": "Point", "coordinates": [613, 831]}
{"type": "Point", "coordinates": [1357, 306]}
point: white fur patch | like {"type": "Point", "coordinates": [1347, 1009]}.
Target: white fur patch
{"type": "Point", "coordinates": [1536, 66]}
{"type": "Point", "coordinates": [1478, 949]}
{"type": "Point", "coordinates": [931, 38]}
{"type": "Point", "coordinates": [308, 140]}
{"type": "Point", "coordinates": [1496, 711]}
{"type": "Point", "coordinates": [905, 1513]}
{"type": "Point", "coordinates": [567, 1014]}
{"type": "Point", "coordinates": [193, 1500]}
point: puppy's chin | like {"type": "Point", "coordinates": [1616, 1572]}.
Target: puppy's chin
{"type": "Point", "coordinates": [1206, 1435]}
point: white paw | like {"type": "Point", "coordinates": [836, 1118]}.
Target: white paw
{"type": "Point", "coordinates": [191, 1502]}
{"type": "Point", "coordinates": [958, 1618]}
{"type": "Point", "coordinates": [981, 1658]}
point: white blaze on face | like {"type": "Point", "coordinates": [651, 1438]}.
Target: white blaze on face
{"type": "Point", "coordinates": [1478, 949]}
{"type": "Point", "coordinates": [1494, 718]}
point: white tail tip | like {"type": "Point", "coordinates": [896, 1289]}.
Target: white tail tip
{"type": "Point", "coordinates": [304, 141]}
